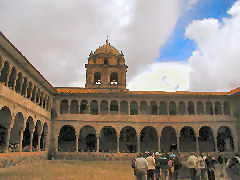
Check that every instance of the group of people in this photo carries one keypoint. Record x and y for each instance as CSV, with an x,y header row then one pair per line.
x,y
156,165
203,167
166,166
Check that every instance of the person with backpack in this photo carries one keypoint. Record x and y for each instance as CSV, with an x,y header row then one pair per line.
x,y
151,166
157,165
210,165
164,167
201,167
177,165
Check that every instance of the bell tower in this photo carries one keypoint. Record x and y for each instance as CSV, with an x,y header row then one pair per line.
x,y
106,68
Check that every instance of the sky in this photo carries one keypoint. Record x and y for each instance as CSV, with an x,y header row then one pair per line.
x,y
174,45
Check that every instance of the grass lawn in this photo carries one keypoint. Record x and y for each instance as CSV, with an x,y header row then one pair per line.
x,y
70,169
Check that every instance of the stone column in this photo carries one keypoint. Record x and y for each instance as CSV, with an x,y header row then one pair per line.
x,y
20,139
178,142
7,138
197,144
159,143
42,96
31,139
215,140
138,143
97,136
27,85
118,136
77,136
20,86
14,83
39,138
7,78
195,108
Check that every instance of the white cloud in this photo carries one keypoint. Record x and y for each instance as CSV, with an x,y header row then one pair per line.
x,y
216,61
168,76
57,36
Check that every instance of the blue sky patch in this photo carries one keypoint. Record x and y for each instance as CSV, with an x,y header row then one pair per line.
x,y
180,48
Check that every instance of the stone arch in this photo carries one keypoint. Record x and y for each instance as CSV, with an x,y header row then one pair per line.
x,y
108,139
114,107
153,108
94,107
104,107
206,140
128,140
29,89
18,126
12,78
168,139
41,98
34,91
209,108
225,139
187,140
191,108
163,110
5,123
84,107
43,139
4,72
74,107
114,78
172,108
124,108
27,133
143,108
97,78
148,139
218,108
181,108
18,86
37,135
24,86
64,107
200,109
38,96
133,108
226,108
67,139
87,139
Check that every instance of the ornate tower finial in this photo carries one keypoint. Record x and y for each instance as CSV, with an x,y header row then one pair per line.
x,y
107,40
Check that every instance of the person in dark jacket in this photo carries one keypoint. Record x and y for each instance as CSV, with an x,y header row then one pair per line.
x,y
177,166
164,167
210,164
158,165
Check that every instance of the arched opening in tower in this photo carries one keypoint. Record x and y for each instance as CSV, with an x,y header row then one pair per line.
x,y
108,139
97,78
67,139
128,140
87,139
148,139
114,78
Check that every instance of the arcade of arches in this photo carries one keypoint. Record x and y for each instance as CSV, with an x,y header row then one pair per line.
x,y
16,130
129,141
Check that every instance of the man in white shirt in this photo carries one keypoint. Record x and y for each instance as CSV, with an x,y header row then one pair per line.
x,y
141,166
192,163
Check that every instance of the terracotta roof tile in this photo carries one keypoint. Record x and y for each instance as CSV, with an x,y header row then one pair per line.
x,y
72,90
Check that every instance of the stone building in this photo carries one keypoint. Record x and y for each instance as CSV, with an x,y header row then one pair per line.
x,y
105,116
